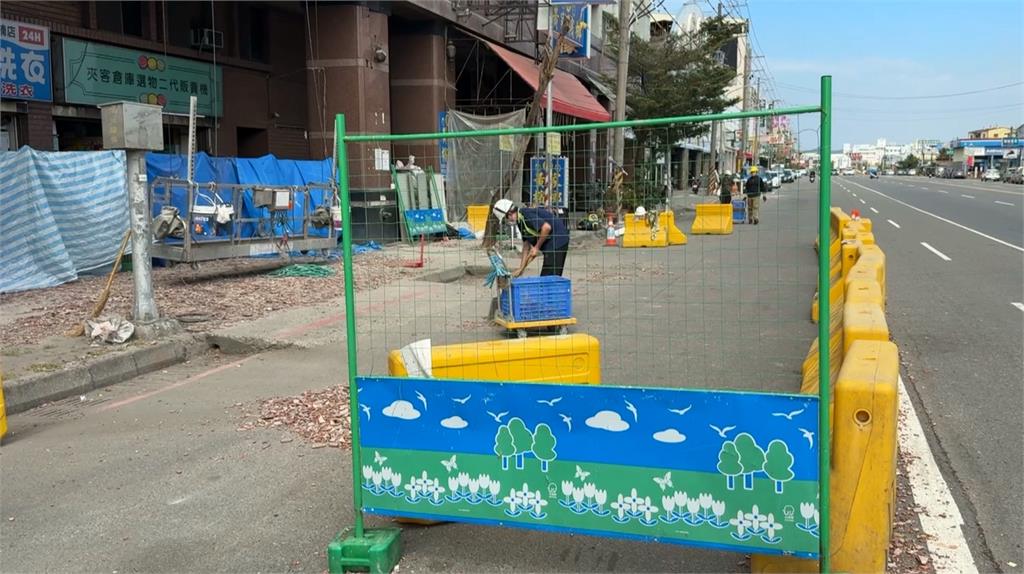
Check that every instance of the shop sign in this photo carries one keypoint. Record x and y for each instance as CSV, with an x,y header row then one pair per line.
x,y
25,61
98,74
575,44
559,182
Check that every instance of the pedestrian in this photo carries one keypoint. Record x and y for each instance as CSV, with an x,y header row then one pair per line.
x,y
543,234
725,188
754,189
714,181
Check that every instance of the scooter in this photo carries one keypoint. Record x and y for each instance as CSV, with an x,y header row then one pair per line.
x,y
811,176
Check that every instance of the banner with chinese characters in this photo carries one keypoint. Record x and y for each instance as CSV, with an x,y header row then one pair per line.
x,y
576,43
25,62
715,469
98,74
559,183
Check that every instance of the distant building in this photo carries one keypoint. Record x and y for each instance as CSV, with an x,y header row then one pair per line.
x,y
995,132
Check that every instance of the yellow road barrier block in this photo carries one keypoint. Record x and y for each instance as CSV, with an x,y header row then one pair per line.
x,y
712,219
572,358
850,249
477,216
865,291
866,237
871,268
639,233
863,464
667,219
874,256
863,322
3,410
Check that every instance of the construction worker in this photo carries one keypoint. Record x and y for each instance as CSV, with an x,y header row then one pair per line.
x,y
754,188
725,189
543,233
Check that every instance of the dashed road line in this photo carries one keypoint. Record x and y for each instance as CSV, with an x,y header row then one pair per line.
x,y
943,219
941,255
967,196
854,194
862,201
1018,305
940,518
1004,203
893,223
924,188
874,210
942,191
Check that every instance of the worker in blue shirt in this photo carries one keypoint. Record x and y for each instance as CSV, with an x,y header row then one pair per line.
x,y
543,233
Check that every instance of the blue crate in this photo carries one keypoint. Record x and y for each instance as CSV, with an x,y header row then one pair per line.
x,y
537,299
739,211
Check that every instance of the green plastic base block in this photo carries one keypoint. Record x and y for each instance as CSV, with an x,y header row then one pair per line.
x,y
377,552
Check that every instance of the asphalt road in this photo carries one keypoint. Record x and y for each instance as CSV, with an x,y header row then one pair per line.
x,y
955,273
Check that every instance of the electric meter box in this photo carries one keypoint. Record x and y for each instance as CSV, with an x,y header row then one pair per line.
x,y
132,126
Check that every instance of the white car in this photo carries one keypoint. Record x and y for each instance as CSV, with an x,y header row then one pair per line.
x,y
774,179
849,172
990,175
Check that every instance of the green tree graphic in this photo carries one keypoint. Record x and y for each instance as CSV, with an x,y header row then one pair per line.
x,y
729,464
778,464
503,446
522,440
751,458
544,445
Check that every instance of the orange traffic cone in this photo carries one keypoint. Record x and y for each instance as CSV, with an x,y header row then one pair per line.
x,y
609,239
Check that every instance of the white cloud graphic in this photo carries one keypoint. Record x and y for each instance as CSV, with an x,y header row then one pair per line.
x,y
401,410
607,420
669,436
455,422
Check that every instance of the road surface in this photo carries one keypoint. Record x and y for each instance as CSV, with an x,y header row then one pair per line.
x,y
955,277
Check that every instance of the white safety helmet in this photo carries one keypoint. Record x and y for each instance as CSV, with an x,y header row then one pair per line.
x,y
640,211
501,208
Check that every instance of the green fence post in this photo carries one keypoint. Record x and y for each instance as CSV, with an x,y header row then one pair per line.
x,y
377,550
824,316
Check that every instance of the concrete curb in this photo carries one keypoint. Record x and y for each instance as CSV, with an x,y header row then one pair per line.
x,y
28,392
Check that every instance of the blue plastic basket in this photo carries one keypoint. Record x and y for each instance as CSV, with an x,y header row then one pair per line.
x,y
537,299
739,210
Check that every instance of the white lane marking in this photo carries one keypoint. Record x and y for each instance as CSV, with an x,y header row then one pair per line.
x,y
984,187
1004,203
936,251
943,219
942,191
854,194
893,223
924,188
874,210
967,196
940,518
862,201
1018,305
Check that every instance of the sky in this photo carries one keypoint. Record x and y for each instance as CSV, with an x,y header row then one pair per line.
x,y
877,50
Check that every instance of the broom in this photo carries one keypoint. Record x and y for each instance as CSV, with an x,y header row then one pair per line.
x,y
79,329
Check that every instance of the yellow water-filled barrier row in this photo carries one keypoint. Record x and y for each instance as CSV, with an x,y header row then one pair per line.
x,y
712,219
638,231
572,358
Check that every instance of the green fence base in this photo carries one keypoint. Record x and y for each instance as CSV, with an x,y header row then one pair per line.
x,y
377,552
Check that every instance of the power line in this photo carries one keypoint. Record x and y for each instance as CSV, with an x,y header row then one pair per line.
x,y
928,97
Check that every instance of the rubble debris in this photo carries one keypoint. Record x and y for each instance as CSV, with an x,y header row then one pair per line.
x,y
319,417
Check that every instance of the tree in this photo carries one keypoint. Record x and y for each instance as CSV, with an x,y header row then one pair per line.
x,y
522,440
945,154
751,458
677,75
909,162
778,464
544,445
729,464
503,446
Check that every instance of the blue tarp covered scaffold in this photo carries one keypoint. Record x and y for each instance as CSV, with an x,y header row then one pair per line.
x,y
265,170
61,213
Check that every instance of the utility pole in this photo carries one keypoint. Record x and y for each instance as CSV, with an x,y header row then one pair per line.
x,y
621,76
755,156
713,147
746,104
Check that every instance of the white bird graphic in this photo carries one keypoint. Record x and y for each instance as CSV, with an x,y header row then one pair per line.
x,y
721,431
632,409
378,458
788,415
497,417
664,481
680,411
567,420
366,409
450,464
807,435
581,474
551,402
422,399
463,400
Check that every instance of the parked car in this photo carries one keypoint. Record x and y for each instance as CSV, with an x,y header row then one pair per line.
x,y
1014,175
990,175
774,179
788,176
849,171
890,172
911,172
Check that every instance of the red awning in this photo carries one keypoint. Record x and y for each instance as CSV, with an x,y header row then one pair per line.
x,y
571,97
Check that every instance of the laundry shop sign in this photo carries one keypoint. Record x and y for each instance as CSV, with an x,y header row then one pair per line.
x,y
98,74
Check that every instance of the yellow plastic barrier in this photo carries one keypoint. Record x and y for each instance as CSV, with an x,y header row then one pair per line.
x,y
667,220
850,249
712,219
477,216
3,410
864,291
863,464
639,233
866,237
572,358
863,322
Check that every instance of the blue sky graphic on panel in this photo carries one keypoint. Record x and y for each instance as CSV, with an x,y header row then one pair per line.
x,y
680,429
